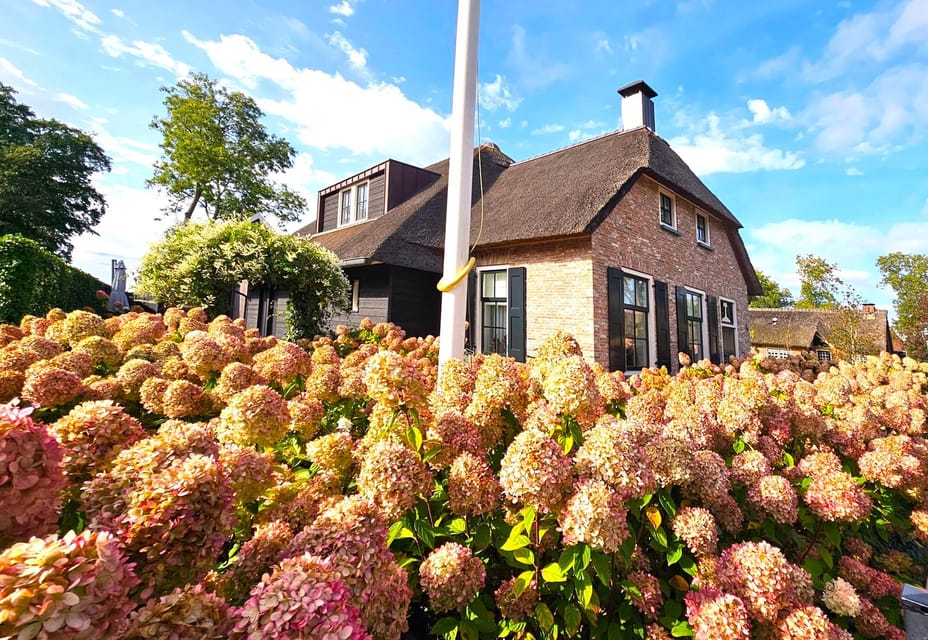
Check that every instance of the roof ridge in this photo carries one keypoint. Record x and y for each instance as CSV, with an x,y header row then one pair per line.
x,y
617,132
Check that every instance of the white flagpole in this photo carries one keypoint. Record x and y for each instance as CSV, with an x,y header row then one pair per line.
x,y
460,178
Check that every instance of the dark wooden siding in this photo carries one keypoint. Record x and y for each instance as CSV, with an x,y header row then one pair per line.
x,y
279,317
404,181
415,303
375,196
373,295
329,212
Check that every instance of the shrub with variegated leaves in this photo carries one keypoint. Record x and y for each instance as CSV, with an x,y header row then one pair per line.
x,y
73,587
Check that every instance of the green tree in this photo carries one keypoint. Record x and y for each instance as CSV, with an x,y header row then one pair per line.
x,y
907,274
820,287
201,263
774,296
217,155
45,177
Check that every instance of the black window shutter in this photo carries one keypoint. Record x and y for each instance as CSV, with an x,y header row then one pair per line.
x,y
682,341
712,310
662,322
517,313
616,320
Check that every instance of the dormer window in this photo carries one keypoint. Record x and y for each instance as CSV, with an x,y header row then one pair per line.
x,y
353,204
668,212
345,216
361,213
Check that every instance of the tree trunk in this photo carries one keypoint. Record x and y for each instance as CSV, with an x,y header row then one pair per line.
x,y
193,203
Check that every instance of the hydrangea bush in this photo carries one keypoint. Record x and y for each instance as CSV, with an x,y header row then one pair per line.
x,y
208,482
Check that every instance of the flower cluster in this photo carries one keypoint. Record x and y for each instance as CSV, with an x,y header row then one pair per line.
x,y
71,587
594,515
93,434
535,472
185,613
392,475
31,476
303,599
257,415
451,575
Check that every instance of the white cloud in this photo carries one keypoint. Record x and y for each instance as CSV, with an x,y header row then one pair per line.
x,y
496,94
357,58
854,171
73,101
574,135
505,124
548,128
376,119
74,11
343,8
119,13
853,247
892,110
877,37
147,54
125,232
306,180
707,148
535,69
603,45
13,76
763,114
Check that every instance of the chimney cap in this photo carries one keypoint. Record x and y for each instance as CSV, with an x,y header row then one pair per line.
x,y
639,86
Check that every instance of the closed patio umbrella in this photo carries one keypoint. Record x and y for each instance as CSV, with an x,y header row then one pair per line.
x,y
118,302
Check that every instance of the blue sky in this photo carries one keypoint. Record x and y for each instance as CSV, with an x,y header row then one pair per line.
x,y
808,120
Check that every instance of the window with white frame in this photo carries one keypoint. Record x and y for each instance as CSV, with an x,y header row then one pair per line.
x,y
355,295
345,216
361,213
824,355
494,311
702,229
353,204
728,328
694,325
777,353
668,210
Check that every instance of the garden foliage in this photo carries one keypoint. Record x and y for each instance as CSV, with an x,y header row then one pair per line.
x,y
34,280
186,478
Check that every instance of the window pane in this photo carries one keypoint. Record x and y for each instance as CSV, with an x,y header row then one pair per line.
x,y
489,279
728,343
666,210
628,290
362,202
728,312
641,354
641,294
641,325
501,284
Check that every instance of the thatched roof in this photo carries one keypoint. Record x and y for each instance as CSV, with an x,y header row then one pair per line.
x,y
564,193
807,328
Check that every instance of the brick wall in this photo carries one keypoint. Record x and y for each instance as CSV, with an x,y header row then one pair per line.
x,y
558,288
631,237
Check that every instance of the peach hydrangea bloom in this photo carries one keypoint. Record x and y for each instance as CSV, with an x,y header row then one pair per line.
x,y
93,434
840,596
472,487
697,528
715,615
394,477
775,496
535,472
257,415
758,573
594,515
451,576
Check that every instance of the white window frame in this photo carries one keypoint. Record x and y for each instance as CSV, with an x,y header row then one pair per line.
x,y
733,325
351,194
706,351
652,316
777,353
708,241
357,201
478,300
355,295
661,193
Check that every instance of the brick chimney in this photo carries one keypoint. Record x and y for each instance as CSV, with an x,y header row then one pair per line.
x,y
637,107
868,307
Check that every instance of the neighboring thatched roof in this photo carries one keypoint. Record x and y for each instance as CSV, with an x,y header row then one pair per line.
x,y
808,328
564,193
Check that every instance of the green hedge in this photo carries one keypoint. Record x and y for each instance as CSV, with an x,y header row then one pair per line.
x,y
33,280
